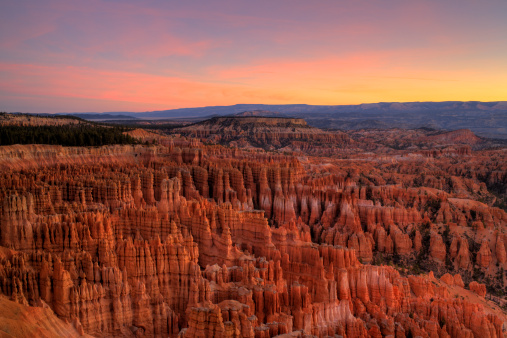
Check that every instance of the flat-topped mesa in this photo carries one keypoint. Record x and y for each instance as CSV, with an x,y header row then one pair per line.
x,y
257,121
255,128
289,134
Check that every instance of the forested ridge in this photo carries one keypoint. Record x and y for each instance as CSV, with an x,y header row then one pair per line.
x,y
69,135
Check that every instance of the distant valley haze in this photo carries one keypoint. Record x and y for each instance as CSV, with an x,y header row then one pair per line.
x,y
487,119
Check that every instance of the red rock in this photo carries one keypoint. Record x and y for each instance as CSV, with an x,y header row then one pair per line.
x,y
484,255
458,281
448,279
501,255
478,288
417,241
463,255
196,240
437,247
402,242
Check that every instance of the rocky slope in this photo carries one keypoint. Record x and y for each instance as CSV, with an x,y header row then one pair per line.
x,y
411,139
192,240
20,320
265,132
252,130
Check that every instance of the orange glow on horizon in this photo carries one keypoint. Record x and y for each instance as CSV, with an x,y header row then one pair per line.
x,y
321,82
129,56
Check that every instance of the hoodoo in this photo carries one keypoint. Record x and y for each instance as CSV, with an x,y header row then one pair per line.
x,y
185,238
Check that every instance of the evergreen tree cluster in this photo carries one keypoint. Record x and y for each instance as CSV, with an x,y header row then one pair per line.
x,y
69,135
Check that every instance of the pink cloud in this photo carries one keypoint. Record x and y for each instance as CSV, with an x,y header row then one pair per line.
x,y
86,83
356,78
170,54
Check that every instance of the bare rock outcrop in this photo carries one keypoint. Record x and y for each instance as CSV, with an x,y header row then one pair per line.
x,y
192,239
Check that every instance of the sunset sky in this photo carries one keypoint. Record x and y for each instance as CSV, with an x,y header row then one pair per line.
x,y
112,55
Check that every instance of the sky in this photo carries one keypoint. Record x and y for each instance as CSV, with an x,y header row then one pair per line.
x,y
126,55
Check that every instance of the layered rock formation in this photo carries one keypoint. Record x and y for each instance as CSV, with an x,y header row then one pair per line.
x,y
193,240
287,134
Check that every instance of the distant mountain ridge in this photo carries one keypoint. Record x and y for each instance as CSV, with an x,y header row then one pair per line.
x,y
262,113
319,109
103,116
487,119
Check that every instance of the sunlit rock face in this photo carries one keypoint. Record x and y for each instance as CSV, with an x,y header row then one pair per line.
x,y
190,239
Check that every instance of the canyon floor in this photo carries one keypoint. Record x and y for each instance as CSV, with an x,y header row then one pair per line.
x,y
255,226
